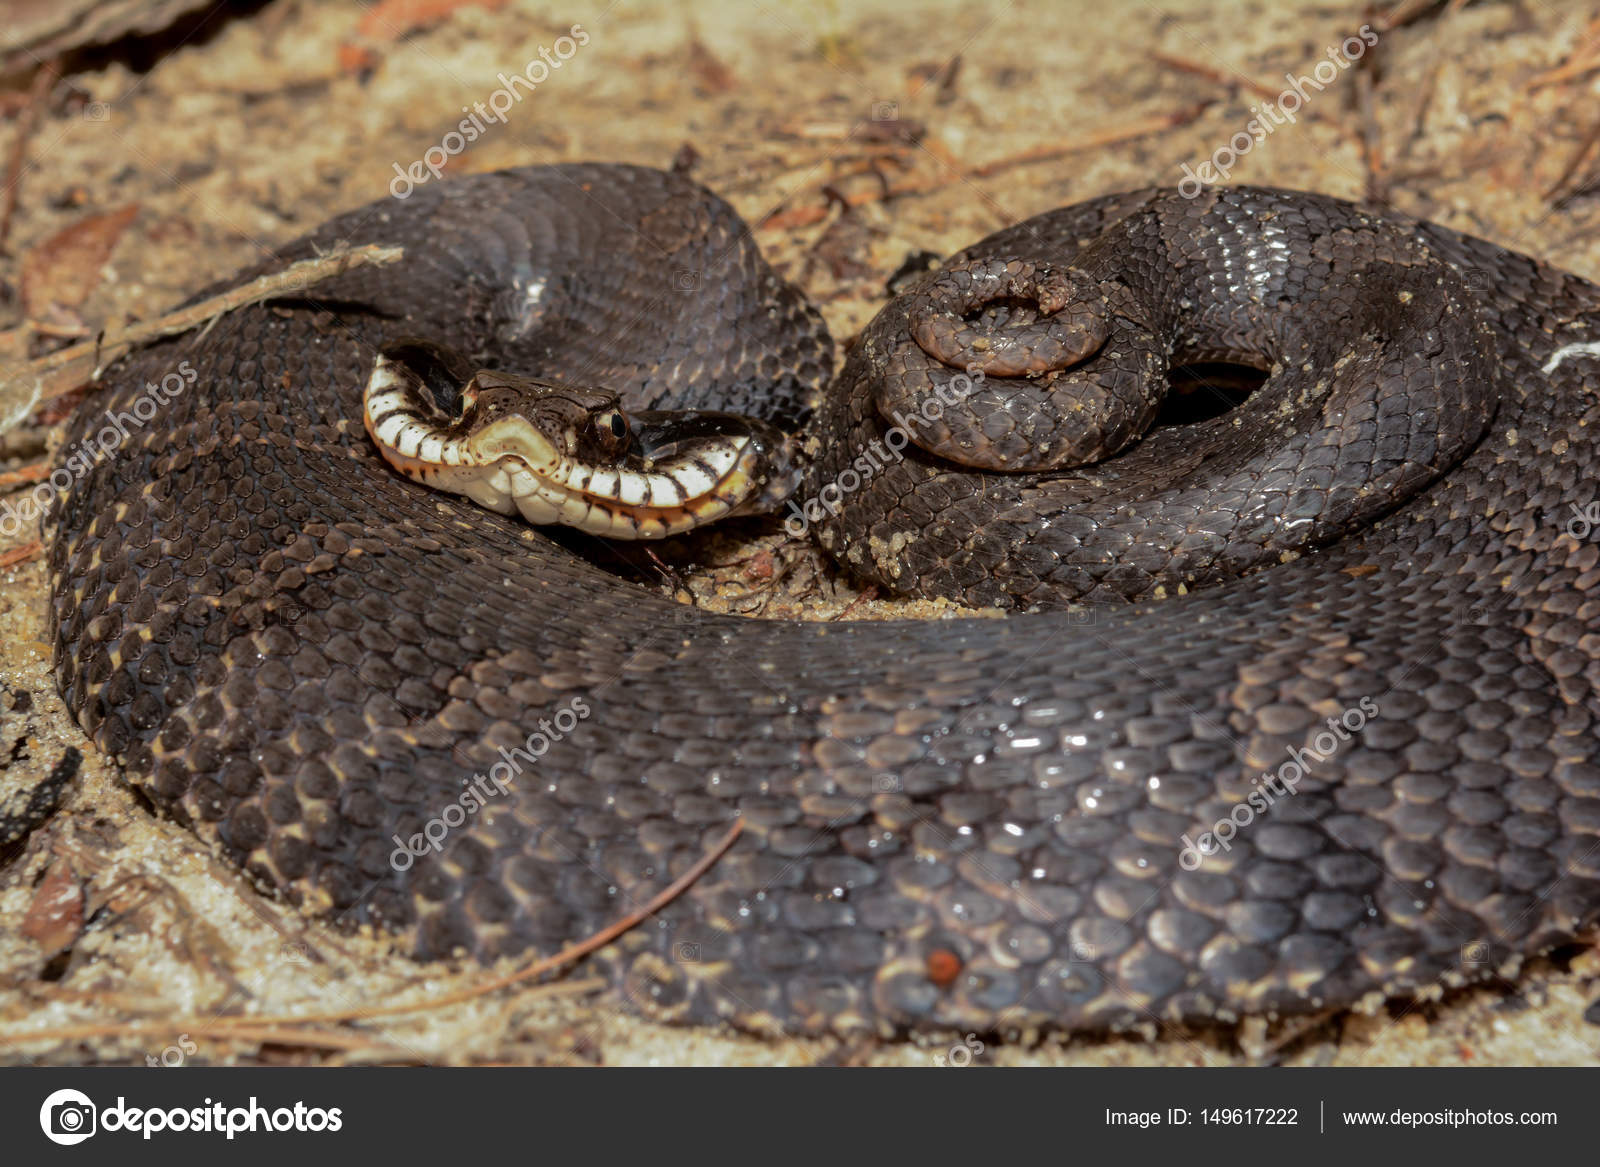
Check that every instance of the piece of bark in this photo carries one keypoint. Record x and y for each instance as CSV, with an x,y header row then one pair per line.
x,y
36,30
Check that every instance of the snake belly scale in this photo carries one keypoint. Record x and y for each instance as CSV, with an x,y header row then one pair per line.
x,y
973,823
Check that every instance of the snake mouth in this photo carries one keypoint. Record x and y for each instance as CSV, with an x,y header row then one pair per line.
x,y
561,454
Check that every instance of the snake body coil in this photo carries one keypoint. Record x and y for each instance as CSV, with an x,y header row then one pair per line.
x,y
398,709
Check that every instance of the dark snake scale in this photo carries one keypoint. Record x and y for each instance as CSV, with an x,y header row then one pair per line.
x,y
1008,823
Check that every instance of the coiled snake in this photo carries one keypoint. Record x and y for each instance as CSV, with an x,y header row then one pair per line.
x,y
397,708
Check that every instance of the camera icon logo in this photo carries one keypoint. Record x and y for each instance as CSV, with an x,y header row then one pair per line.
x,y
285,613
885,111
295,952
67,1117
1476,952
960,1056
96,111
685,279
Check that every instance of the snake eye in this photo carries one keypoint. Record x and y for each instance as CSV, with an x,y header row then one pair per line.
x,y
610,431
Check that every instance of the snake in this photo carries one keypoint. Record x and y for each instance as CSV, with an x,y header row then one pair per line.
x,y
1270,710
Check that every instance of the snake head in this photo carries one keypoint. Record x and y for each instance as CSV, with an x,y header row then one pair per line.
x,y
568,454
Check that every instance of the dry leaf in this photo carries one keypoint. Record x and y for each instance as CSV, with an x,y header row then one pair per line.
x,y
55,917
61,272
355,58
389,20
708,69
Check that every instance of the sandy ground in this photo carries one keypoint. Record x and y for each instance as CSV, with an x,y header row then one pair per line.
x,y
260,124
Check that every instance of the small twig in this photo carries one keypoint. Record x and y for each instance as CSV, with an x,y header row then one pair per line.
x,y
867,594
261,1034
310,1039
1240,81
784,218
291,1023
1371,136
1419,116
43,81
1585,148
1263,1045
49,328
1584,60
1214,75
20,554
1409,12
669,574
1092,141
566,956
23,475
60,372
1572,70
